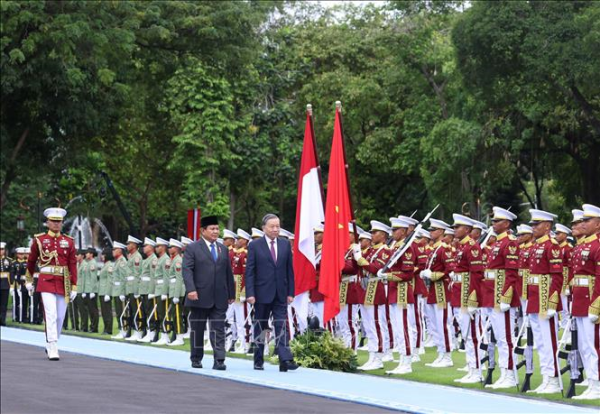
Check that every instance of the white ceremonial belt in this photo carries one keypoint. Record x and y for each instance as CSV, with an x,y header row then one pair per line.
x,y
55,270
130,278
533,280
352,278
172,280
23,278
145,279
581,280
160,281
490,274
457,278
117,283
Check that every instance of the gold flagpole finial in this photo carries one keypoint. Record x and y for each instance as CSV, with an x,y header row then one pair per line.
x,y
338,105
309,109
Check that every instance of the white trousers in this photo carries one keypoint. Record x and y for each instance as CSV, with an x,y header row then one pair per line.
x,y
347,322
318,309
415,319
239,330
230,318
300,305
587,335
375,324
438,319
469,330
401,327
545,338
503,324
54,314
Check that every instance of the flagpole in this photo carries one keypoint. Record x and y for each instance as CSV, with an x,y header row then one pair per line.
x,y
338,107
314,141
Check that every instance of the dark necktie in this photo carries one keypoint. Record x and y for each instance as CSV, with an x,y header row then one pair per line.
x,y
273,255
213,252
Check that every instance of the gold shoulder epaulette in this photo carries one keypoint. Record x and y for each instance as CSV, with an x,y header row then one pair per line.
x,y
554,241
511,237
68,237
39,234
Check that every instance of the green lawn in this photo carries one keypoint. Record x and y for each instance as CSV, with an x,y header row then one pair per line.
x,y
421,373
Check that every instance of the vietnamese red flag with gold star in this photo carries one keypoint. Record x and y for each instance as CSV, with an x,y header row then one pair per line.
x,y
337,215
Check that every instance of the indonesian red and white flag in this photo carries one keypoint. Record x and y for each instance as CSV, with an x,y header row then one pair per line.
x,y
309,213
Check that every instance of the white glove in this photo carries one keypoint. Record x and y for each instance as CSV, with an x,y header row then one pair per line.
x,y
504,307
242,299
163,297
593,318
550,313
29,287
176,300
12,291
356,253
122,297
151,296
92,295
426,274
73,295
472,310
451,275
106,298
136,296
567,292
84,295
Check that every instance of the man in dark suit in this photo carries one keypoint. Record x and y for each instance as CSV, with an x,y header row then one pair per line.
x,y
210,288
270,288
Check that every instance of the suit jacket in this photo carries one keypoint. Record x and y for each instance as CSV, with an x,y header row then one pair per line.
x,y
265,280
212,280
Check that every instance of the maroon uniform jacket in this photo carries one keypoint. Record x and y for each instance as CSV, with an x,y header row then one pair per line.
x,y
502,273
545,276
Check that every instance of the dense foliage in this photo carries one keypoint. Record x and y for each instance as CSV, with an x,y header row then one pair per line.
x,y
187,104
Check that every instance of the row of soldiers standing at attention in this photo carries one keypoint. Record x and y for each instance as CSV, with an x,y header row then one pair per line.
x,y
461,286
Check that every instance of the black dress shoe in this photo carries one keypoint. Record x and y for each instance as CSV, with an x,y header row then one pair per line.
x,y
285,366
259,367
196,364
219,366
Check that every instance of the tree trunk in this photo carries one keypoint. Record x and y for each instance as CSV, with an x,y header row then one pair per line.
x,y
11,172
232,206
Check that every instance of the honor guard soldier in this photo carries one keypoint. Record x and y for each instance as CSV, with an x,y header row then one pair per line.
x,y
586,299
256,233
186,241
162,290
562,232
54,253
347,319
22,294
134,313
104,290
229,239
147,287
176,291
6,282
400,296
465,296
544,285
439,266
525,240
90,301
240,308
374,299
499,291
421,293
119,277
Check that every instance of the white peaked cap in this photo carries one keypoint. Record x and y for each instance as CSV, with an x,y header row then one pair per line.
x,y
423,233
561,228
186,240
319,229
161,242
131,239
285,233
479,225
503,214
175,243
243,234
149,242
21,250
590,210
257,233
460,220
379,226
410,220
55,213
398,223
577,215
2,245
541,215
220,240
524,229
228,234
439,224
449,232
364,235
117,245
